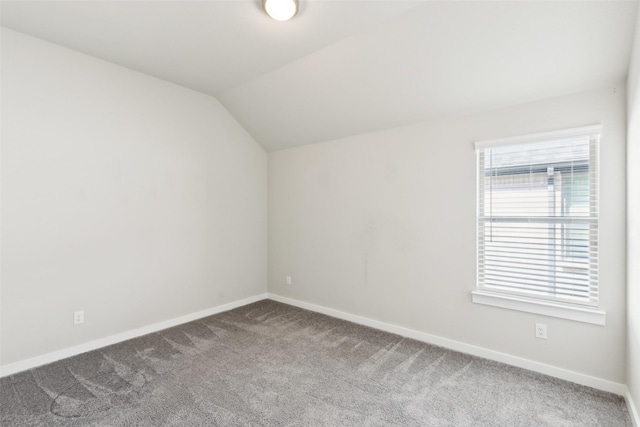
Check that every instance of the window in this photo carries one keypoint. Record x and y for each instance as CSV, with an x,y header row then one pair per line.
x,y
538,223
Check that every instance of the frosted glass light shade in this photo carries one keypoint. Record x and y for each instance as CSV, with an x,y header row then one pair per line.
x,y
280,10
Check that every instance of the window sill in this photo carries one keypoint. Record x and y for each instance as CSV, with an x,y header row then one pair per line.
x,y
578,314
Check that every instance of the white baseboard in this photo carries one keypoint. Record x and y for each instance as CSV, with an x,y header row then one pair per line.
x,y
575,377
633,409
54,356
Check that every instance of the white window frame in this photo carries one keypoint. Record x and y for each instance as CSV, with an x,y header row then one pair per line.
x,y
526,303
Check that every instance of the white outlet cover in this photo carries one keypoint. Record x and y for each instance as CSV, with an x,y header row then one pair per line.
x,y
541,330
78,317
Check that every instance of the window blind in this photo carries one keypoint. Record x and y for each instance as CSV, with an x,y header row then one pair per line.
x,y
538,216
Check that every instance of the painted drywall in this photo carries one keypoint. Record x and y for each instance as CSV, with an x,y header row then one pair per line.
x,y
633,223
125,196
382,225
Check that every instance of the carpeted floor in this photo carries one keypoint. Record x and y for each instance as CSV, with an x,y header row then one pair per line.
x,y
270,364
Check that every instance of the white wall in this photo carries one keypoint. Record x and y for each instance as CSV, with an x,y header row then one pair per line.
x,y
633,223
382,225
125,196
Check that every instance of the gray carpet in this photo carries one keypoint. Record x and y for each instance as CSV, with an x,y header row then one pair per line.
x,y
270,364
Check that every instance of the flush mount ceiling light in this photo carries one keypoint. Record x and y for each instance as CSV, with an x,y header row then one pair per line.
x,y
280,10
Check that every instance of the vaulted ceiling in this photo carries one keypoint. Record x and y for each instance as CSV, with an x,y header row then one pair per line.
x,y
346,67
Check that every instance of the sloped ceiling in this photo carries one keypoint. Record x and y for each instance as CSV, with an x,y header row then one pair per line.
x,y
347,67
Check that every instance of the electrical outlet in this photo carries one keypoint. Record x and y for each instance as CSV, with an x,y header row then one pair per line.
x,y
541,331
289,280
78,317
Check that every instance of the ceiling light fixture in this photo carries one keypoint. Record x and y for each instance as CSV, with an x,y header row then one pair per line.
x,y
280,10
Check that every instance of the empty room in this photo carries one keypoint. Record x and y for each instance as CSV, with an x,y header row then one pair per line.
x,y
320,213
